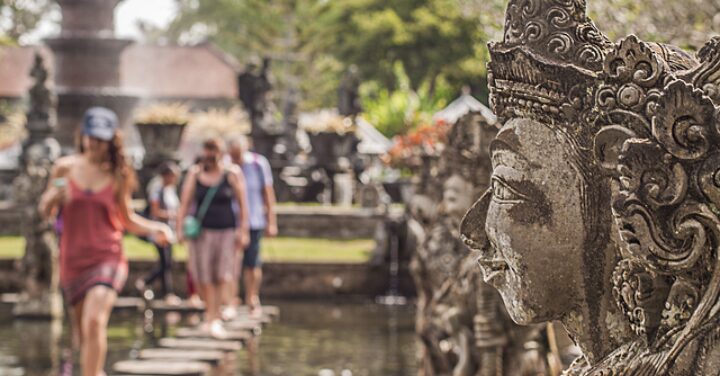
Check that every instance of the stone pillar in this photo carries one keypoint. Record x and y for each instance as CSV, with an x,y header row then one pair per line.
x,y
40,296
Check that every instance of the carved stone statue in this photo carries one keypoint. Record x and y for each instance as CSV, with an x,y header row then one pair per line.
x,y
40,296
40,117
603,210
255,91
349,93
461,322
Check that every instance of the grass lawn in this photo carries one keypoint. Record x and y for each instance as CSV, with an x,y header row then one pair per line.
x,y
309,250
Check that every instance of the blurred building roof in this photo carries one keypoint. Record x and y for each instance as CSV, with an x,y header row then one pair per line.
x,y
176,72
462,106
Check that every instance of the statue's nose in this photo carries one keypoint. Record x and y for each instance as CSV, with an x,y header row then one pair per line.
x,y
472,227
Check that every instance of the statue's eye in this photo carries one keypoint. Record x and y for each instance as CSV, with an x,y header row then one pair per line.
x,y
503,193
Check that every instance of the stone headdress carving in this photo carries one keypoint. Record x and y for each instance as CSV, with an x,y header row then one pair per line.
x,y
550,55
648,116
657,115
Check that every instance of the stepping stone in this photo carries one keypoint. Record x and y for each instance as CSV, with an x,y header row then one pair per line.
x,y
210,356
18,371
233,335
200,344
162,368
184,307
128,303
272,311
251,326
9,298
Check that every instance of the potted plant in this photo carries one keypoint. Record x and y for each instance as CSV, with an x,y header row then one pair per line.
x,y
161,126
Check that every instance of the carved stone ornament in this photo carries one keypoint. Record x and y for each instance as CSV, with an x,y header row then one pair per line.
x,y
604,208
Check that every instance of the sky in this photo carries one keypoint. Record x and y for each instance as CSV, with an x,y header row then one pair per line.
x,y
129,12
127,15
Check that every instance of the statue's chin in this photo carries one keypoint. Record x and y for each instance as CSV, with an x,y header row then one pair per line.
x,y
521,313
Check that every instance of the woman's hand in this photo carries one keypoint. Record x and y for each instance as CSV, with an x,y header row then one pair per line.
x,y
271,230
242,239
163,236
55,195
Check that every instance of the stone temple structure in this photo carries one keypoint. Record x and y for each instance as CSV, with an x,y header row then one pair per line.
x,y
461,321
87,65
603,211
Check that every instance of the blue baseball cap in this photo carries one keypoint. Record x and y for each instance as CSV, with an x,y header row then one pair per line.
x,y
100,123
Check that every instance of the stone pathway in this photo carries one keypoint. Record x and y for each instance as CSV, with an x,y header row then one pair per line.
x,y
193,352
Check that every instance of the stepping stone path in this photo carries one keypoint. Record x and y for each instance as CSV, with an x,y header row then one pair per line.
x,y
193,352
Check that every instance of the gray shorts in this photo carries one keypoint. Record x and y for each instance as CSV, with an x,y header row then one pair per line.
x,y
212,256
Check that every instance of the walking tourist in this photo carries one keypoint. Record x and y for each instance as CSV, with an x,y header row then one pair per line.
x,y
262,218
216,232
163,204
92,188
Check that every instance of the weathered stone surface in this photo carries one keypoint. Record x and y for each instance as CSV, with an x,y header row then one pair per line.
x,y
40,293
603,212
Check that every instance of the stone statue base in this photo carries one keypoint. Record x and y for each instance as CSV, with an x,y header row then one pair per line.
x,y
46,306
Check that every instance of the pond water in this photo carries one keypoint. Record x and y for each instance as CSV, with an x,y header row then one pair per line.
x,y
362,338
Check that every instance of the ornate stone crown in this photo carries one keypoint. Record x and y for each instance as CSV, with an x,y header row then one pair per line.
x,y
550,55
658,106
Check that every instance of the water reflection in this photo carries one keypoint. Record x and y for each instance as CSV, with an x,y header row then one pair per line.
x,y
349,339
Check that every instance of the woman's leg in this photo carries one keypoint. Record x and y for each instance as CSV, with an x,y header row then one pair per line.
x,y
97,307
76,325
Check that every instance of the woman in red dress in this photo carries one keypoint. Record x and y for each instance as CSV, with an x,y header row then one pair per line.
x,y
93,189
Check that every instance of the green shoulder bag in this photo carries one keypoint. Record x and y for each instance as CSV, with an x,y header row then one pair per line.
x,y
192,224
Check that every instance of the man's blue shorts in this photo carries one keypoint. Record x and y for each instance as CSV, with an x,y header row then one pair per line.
x,y
251,258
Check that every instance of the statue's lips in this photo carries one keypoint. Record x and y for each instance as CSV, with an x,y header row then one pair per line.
x,y
493,269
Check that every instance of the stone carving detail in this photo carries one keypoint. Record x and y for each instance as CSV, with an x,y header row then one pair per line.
x,y
40,296
641,136
463,327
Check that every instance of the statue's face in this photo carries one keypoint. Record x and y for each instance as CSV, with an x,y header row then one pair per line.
x,y
457,195
533,223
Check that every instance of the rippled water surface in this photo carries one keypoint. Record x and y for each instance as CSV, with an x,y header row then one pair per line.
x,y
363,338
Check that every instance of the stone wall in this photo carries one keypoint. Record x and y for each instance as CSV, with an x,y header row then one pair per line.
x,y
281,280
10,220
328,222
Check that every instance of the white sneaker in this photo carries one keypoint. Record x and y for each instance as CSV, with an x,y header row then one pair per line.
x,y
217,331
229,313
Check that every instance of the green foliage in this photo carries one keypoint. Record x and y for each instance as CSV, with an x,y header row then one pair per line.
x,y
312,42
21,17
402,108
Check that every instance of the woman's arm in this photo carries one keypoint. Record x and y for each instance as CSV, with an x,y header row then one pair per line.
x,y
186,195
54,195
270,216
237,181
138,225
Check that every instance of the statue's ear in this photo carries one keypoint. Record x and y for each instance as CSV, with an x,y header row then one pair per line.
x,y
608,145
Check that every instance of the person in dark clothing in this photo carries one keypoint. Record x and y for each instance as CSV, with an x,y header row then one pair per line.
x,y
163,204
